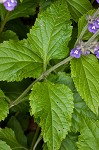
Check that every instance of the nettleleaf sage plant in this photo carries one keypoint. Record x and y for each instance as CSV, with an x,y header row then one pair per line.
x,y
49,77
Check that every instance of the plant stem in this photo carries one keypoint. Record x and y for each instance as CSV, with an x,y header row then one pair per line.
x,y
96,13
35,137
36,143
19,99
81,35
92,38
4,21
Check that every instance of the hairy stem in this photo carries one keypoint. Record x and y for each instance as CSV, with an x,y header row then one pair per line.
x,y
35,138
92,38
4,22
81,35
19,99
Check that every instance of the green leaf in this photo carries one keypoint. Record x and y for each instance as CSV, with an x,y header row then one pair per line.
x,y
69,143
78,8
14,124
85,73
5,36
89,138
8,136
51,33
18,61
53,105
79,109
4,108
4,146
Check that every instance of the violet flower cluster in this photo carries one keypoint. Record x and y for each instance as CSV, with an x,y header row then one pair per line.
x,y
9,4
93,47
82,49
94,25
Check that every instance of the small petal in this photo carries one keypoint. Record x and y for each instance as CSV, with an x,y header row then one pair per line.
x,y
97,1
75,53
10,4
86,52
92,28
96,48
96,23
97,53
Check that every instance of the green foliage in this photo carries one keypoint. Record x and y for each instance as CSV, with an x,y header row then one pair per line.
x,y
4,109
51,33
14,124
62,78
4,146
43,96
79,109
8,136
69,143
8,35
85,73
18,61
78,8
43,43
89,138
25,8
53,104
82,23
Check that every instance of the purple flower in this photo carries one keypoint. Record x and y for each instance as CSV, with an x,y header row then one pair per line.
x,y
86,52
76,52
92,28
10,4
96,23
97,1
96,51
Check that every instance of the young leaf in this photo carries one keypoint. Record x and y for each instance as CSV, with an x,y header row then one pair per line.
x,y
89,138
69,143
8,136
51,33
18,61
4,108
53,104
4,146
85,73
78,8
